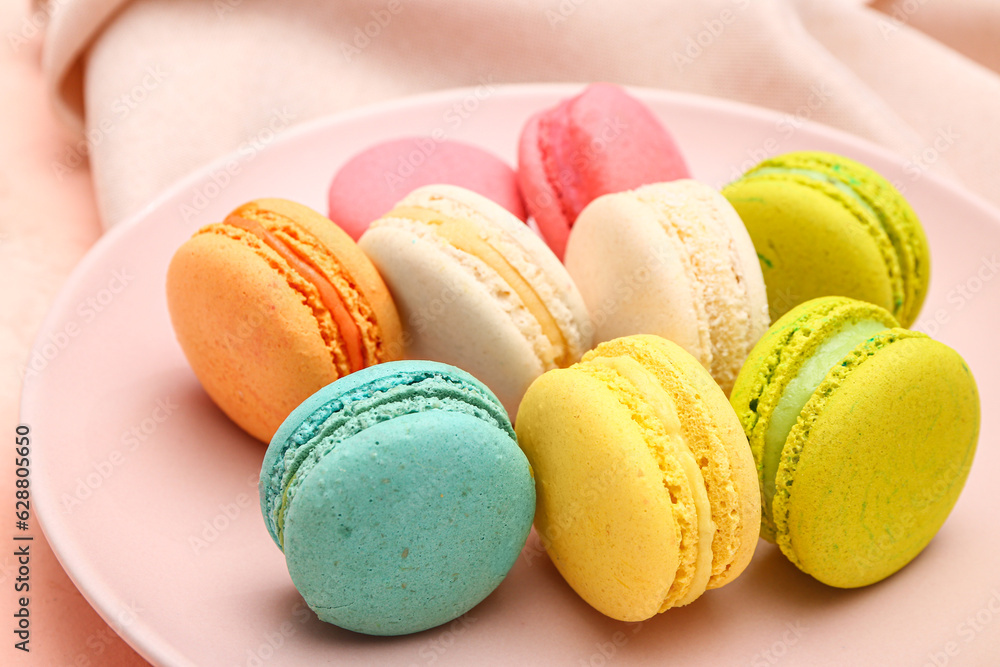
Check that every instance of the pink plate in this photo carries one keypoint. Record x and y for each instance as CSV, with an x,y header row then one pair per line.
x,y
148,493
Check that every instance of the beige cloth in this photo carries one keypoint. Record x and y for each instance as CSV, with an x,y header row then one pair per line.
x,y
164,86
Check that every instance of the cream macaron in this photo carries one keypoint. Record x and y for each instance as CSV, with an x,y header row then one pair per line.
x,y
671,259
477,289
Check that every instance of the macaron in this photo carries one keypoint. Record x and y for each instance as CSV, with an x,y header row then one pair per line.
x,y
477,289
825,225
369,184
602,140
647,493
273,303
671,259
399,497
863,434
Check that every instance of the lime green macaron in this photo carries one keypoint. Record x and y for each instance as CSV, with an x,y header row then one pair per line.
x,y
824,225
863,434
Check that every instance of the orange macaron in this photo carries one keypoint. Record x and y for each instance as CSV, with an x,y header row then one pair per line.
x,y
274,303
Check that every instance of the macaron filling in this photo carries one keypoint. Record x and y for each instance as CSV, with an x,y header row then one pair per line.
x,y
465,236
381,400
800,389
688,585
329,296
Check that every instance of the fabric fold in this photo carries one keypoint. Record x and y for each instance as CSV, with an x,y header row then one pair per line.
x,y
162,87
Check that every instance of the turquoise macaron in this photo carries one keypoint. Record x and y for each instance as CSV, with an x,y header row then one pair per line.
x,y
399,497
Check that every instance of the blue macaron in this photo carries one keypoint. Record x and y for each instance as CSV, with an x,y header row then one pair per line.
x,y
399,496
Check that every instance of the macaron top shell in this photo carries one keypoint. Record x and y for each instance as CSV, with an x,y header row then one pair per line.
x,y
409,524
369,184
600,141
900,477
883,201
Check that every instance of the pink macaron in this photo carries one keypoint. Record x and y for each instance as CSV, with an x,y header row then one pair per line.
x,y
599,142
371,182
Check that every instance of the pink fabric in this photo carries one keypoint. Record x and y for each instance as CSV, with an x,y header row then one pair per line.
x,y
48,220
163,86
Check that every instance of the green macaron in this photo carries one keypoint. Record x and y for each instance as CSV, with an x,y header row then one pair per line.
x,y
824,225
863,434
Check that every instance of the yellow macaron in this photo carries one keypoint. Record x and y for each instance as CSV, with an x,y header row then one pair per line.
x,y
646,487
